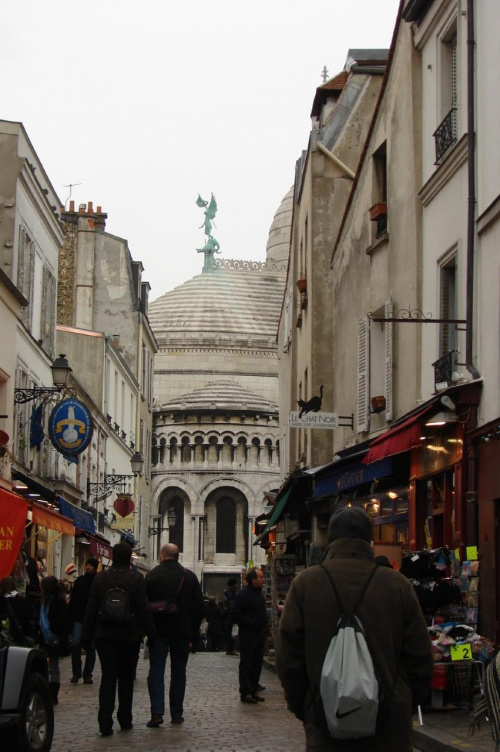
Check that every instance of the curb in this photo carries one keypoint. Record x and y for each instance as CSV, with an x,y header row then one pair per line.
x,y
438,740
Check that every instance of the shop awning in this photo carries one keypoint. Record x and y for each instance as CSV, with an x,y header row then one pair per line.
x,y
51,520
13,511
80,517
275,514
345,476
399,439
101,549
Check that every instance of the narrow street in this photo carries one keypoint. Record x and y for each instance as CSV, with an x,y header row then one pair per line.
x,y
215,719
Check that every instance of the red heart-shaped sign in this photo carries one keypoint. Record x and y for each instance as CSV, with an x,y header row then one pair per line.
x,y
124,506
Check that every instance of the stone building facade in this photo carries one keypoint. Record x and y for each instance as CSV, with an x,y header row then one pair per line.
x,y
215,442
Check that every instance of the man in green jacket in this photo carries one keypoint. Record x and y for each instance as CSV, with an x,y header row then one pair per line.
x,y
394,626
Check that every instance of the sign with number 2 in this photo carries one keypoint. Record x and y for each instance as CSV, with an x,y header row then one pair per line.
x,y
461,652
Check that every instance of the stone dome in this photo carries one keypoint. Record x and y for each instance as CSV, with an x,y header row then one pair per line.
x,y
221,395
278,244
237,303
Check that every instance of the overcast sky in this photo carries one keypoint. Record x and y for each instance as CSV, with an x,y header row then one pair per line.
x,y
146,104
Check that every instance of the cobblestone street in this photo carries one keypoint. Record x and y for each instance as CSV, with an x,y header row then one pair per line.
x,y
215,719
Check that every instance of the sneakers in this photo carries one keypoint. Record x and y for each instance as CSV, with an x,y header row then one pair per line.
x,y
156,720
74,679
248,698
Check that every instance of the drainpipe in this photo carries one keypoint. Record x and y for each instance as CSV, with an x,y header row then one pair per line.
x,y
471,209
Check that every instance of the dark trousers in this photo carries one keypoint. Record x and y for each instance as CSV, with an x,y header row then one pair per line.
x,y
251,658
118,666
179,648
76,653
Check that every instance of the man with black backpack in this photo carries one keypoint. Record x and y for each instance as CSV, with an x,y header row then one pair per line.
x,y
176,602
117,618
346,593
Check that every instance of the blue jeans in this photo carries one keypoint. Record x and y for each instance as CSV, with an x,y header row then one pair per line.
x,y
179,654
76,653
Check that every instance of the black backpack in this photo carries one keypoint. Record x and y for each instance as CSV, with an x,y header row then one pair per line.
x,y
116,605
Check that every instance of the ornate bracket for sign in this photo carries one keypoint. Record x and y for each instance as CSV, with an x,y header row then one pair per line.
x,y
21,396
349,418
102,490
414,316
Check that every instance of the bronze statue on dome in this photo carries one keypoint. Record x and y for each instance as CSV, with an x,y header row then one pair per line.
x,y
211,246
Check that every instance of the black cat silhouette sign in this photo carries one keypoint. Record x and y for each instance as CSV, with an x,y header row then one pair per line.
x,y
310,414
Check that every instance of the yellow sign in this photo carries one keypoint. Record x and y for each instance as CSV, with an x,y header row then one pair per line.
x,y
471,553
461,652
123,523
457,554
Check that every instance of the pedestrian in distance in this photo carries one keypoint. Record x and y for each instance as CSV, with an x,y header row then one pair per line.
x,y
117,618
394,627
15,611
250,614
176,601
230,594
78,600
54,630
215,621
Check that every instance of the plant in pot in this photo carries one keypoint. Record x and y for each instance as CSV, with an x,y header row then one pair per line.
x,y
378,403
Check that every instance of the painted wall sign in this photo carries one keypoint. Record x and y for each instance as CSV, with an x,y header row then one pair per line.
x,y
70,427
313,420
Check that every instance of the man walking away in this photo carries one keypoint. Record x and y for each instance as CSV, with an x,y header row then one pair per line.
x,y
177,605
79,597
117,617
394,627
250,614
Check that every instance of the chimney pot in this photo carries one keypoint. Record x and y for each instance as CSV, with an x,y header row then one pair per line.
x,y
91,207
72,206
99,209
82,208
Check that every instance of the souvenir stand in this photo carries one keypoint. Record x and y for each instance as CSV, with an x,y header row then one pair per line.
x,y
283,572
448,592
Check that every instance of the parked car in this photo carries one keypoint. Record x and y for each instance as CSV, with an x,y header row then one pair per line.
x,y
26,711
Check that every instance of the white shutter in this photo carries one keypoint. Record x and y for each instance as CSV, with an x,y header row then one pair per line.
x,y
363,423
388,333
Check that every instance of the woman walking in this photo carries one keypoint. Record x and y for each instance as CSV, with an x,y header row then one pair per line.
x,y
54,629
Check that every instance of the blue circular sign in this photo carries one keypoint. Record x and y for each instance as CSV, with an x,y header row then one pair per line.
x,y
70,427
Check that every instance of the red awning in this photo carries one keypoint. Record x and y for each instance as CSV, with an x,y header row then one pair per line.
x,y
399,439
51,520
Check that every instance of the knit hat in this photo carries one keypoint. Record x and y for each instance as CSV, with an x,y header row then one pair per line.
x,y
350,522
71,570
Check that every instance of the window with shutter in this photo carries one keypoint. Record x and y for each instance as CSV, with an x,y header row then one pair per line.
x,y
388,334
448,307
363,422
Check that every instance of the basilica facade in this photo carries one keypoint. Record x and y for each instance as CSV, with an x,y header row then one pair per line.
x,y
216,425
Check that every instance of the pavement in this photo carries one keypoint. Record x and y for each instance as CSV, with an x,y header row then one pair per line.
x,y
216,720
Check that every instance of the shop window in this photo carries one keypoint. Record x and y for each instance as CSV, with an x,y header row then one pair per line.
x,y
388,511
225,539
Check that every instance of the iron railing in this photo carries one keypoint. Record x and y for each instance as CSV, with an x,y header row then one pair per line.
x,y
446,134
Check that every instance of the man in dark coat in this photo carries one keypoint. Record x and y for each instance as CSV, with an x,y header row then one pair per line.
x,y
171,583
250,614
117,643
79,597
394,626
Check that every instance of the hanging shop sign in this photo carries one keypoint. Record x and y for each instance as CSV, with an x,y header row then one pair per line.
x,y
124,505
70,427
313,420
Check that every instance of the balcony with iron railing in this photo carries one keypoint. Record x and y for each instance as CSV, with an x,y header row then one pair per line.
x,y
446,134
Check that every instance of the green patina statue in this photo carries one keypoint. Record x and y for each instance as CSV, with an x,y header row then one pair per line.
x,y
211,246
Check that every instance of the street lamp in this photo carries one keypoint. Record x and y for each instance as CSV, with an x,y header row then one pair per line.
x,y
111,481
60,375
171,519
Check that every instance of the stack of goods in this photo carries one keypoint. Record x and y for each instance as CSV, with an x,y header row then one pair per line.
x,y
445,637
